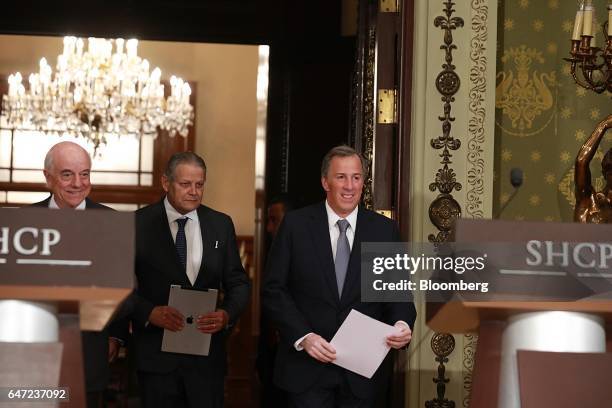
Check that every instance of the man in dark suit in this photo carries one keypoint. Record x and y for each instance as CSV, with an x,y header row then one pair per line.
x,y
181,242
271,396
313,281
66,169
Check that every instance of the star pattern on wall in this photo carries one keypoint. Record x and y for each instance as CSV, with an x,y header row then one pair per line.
x,y
506,155
580,92
508,24
595,113
567,26
565,112
549,178
537,25
579,135
535,200
565,156
523,4
535,156
551,48
553,4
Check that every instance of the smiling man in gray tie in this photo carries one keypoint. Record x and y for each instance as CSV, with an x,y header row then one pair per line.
x,y
313,281
181,242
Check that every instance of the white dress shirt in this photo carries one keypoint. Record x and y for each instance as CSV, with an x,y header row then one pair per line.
x,y
193,236
82,205
53,204
334,230
334,233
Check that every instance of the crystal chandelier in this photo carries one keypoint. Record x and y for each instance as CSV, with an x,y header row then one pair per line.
x,y
96,91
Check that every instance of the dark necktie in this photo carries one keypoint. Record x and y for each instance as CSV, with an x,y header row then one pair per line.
x,y
181,241
343,253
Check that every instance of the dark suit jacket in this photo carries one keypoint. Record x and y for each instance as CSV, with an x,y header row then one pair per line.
x,y
301,295
158,267
95,344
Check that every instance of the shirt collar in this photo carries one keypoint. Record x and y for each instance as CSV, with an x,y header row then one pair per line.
x,y
332,217
174,215
53,204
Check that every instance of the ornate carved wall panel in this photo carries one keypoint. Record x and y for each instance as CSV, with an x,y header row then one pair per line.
x,y
459,155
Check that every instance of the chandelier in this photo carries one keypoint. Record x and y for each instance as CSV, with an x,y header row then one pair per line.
x,y
591,66
96,91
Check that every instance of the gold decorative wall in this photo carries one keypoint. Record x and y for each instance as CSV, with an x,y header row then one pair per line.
x,y
542,117
473,110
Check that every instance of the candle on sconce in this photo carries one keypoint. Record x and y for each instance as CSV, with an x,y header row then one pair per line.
x,y
588,20
610,20
578,23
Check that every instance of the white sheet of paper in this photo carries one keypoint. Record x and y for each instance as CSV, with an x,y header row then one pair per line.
x,y
361,344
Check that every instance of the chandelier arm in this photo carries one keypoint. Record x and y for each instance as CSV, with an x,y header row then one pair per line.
x,y
575,76
586,74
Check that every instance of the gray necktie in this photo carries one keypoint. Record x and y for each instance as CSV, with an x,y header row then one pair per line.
x,y
343,253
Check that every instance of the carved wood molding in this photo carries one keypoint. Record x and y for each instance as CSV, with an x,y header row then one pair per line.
x,y
362,104
476,164
477,108
445,209
470,341
442,345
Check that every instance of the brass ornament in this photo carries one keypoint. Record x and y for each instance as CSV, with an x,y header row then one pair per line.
x,y
442,345
448,82
443,211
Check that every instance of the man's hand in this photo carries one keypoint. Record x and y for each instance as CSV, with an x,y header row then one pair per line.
x,y
113,349
318,348
167,317
213,322
401,338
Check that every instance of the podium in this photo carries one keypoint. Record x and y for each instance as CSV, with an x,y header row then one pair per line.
x,y
517,337
60,272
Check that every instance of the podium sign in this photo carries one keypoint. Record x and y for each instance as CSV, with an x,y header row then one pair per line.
x,y
582,252
68,256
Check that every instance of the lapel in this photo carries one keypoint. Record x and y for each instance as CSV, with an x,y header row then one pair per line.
x,y
320,237
42,204
167,255
354,266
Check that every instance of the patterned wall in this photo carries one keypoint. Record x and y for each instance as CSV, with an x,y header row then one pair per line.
x,y
542,116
